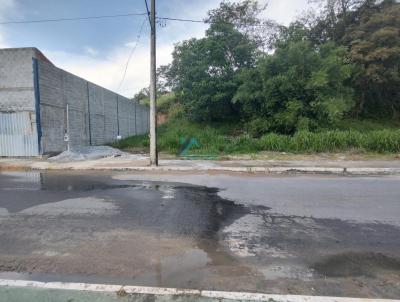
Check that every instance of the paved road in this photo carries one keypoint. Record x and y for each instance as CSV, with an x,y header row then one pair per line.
x,y
337,236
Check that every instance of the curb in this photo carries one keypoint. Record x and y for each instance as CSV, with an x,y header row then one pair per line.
x,y
161,291
242,169
268,170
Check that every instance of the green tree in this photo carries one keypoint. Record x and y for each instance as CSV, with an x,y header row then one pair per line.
x,y
334,19
203,71
142,96
245,17
297,87
374,43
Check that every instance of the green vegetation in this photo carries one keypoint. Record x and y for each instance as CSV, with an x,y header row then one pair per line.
x,y
224,139
322,84
343,62
299,88
165,101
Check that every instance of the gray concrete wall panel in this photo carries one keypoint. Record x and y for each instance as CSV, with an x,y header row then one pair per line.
x,y
77,128
97,129
53,123
110,110
139,119
123,116
132,120
51,85
96,99
16,80
75,91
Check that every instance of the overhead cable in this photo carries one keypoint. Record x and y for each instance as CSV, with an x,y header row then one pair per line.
x,y
71,19
131,54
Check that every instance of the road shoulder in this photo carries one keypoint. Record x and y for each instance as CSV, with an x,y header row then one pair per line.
x,y
132,163
22,290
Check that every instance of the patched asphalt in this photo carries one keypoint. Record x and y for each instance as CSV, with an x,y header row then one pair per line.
x,y
314,235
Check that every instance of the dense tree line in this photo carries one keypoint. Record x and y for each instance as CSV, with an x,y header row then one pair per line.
x,y
343,61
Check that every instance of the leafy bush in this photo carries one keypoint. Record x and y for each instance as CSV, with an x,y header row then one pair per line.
x,y
299,87
166,101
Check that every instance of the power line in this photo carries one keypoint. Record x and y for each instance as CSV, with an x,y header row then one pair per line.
x,y
181,20
99,17
72,19
148,11
131,53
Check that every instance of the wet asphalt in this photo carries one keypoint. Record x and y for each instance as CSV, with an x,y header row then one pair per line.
x,y
313,235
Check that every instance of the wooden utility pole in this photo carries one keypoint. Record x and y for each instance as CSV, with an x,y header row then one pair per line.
x,y
153,88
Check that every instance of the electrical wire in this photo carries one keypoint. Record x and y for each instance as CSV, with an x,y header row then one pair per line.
x,y
148,11
71,19
181,20
131,54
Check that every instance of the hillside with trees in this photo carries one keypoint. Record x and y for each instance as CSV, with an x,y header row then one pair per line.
x,y
332,73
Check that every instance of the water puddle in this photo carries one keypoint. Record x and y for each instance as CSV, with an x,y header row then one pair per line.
x,y
92,228
356,264
56,182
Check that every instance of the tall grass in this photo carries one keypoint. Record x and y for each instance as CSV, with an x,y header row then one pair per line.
x,y
380,141
228,139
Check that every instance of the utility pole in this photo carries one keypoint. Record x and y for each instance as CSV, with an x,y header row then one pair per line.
x,y
153,88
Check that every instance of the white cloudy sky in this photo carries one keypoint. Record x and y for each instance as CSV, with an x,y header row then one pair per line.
x,y
98,49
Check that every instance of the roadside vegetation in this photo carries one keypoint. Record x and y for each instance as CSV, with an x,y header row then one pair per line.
x,y
328,82
227,139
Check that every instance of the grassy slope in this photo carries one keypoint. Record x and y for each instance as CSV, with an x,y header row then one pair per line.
x,y
228,139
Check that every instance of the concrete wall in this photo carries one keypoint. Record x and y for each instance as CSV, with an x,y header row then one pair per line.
x,y
40,104
18,128
16,80
95,115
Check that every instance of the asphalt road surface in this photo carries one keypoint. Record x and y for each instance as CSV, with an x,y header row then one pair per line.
x,y
312,235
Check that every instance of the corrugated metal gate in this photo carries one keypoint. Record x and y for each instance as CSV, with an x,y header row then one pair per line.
x,y
18,134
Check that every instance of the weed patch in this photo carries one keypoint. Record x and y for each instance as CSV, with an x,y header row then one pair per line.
x,y
226,139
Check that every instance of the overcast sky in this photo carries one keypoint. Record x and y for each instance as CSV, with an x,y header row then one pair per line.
x,y
97,50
